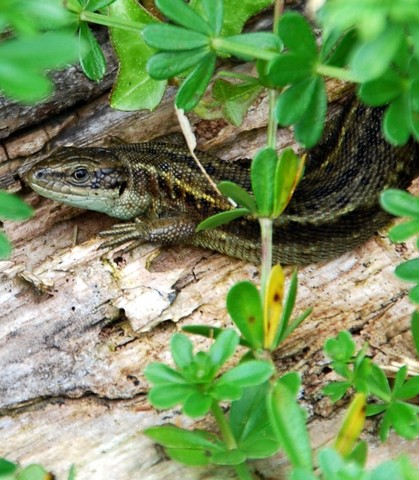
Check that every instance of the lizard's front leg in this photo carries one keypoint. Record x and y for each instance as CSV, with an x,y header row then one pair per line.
x,y
165,231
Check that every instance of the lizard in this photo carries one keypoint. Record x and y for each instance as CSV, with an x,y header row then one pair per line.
x,y
160,193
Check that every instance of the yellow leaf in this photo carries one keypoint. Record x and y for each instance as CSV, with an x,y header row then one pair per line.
x,y
352,425
288,173
273,305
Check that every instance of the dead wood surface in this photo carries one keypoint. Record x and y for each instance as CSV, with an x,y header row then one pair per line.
x,y
78,326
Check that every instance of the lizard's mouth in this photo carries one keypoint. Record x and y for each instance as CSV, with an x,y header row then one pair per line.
x,y
56,185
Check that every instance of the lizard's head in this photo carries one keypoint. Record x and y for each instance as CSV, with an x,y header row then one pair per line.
x,y
91,178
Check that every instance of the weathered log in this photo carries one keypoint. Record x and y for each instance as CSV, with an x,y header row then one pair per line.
x,y
78,326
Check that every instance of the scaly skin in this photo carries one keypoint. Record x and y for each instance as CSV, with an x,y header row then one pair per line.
x,y
164,194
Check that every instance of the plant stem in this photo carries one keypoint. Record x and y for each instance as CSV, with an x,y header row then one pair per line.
x,y
272,125
108,21
242,469
336,72
239,76
223,425
266,238
223,45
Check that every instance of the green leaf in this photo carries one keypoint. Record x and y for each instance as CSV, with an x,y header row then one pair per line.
x,y
33,472
336,48
399,380
400,203
160,374
94,5
402,232
133,89
168,396
6,467
222,218
226,391
359,454
235,98
13,208
223,348
194,86
5,247
371,59
296,323
260,40
289,169
72,473
214,13
92,59
408,271
382,90
331,464
293,102
414,294
289,68
336,390
409,390
191,457
302,474
173,437
396,125
181,13
414,327
247,374
414,94
24,60
341,348
245,308
197,405
229,457
297,35
250,423
28,18
169,64
288,421
262,174
182,350
378,383
404,420
238,194
171,38
237,12
386,471
309,128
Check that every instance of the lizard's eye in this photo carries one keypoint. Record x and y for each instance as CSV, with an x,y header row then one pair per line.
x,y
80,174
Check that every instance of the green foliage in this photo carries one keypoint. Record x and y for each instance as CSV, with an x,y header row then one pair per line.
x,y
404,204
11,208
235,98
31,50
304,102
288,421
193,383
12,471
133,89
274,179
367,377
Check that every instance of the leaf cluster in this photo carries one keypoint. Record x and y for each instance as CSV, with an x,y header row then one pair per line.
x,y
274,178
12,471
367,377
193,384
34,46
